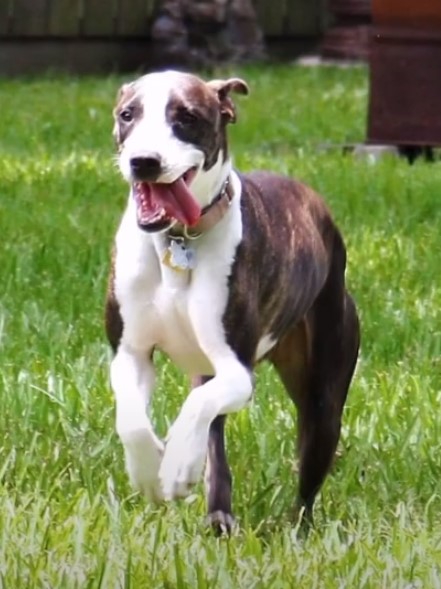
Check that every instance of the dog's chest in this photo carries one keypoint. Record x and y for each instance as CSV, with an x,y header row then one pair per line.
x,y
158,304
174,330
155,312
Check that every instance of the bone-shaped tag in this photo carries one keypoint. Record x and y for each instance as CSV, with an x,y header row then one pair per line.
x,y
179,256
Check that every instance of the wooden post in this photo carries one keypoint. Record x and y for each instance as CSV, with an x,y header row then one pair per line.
x,y
405,73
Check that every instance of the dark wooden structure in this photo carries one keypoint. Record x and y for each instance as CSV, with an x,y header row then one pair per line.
x,y
108,35
405,73
348,36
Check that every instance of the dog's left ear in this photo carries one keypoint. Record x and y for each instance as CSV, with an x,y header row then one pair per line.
x,y
223,89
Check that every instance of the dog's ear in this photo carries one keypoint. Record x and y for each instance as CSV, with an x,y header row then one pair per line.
x,y
223,89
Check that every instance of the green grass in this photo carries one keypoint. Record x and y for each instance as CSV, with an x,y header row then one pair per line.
x,y
68,517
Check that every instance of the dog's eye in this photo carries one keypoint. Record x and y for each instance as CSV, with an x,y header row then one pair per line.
x,y
188,118
126,115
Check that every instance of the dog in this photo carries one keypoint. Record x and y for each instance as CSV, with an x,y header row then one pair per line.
x,y
219,270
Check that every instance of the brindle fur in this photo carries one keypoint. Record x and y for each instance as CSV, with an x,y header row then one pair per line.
x,y
299,297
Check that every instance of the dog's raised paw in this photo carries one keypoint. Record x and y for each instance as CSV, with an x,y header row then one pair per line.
x,y
144,480
150,489
183,461
143,455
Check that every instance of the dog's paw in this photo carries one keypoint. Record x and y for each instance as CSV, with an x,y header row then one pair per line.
x,y
183,460
143,477
222,523
143,455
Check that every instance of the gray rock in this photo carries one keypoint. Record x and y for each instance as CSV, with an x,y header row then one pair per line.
x,y
206,32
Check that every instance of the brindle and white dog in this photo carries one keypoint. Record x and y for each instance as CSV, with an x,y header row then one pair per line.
x,y
219,270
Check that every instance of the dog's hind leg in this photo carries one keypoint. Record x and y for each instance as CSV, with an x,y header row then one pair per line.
x,y
291,358
316,362
217,474
218,480
335,343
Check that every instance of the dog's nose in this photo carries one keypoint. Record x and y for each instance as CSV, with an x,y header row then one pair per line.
x,y
146,168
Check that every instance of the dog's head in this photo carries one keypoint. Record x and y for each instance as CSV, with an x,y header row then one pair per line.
x,y
170,128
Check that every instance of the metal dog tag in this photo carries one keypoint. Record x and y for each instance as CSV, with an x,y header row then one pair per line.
x,y
179,256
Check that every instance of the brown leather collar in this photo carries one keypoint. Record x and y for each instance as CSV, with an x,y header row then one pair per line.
x,y
210,216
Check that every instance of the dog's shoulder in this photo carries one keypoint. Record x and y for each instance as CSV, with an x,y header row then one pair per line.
x,y
282,261
280,203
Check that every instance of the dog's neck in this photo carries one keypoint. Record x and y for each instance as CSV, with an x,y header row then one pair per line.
x,y
211,214
213,190
208,184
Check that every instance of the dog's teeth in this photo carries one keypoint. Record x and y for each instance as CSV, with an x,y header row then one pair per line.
x,y
159,214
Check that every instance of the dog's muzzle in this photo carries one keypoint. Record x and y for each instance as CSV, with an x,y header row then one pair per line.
x,y
146,168
160,204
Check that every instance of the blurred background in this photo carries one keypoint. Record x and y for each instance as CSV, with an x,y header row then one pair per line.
x,y
91,36
399,39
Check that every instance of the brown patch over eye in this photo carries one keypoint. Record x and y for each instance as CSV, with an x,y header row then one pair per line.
x,y
194,118
126,114
188,125
186,117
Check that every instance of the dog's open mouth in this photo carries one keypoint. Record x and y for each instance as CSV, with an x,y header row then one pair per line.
x,y
159,204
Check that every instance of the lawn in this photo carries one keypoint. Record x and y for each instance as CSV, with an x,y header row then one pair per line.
x,y
68,518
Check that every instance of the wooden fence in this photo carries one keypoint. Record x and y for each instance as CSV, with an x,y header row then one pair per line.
x,y
75,18
33,32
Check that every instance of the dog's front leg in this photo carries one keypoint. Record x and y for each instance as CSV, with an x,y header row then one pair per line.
x,y
133,378
187,439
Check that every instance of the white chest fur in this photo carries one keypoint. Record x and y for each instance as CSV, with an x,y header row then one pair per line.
x,y
166,309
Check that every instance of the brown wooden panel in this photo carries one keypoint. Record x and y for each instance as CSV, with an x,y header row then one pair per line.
x,y
64,17
271,15
405,86
324,14
4,16
99,17
30,18
303,17
90,56
410,13
150,7
78,56
134,17
351,8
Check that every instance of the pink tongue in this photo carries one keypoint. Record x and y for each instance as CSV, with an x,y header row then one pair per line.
x,y
177,201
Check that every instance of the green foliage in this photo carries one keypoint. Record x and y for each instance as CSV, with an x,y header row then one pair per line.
x,y
68,518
